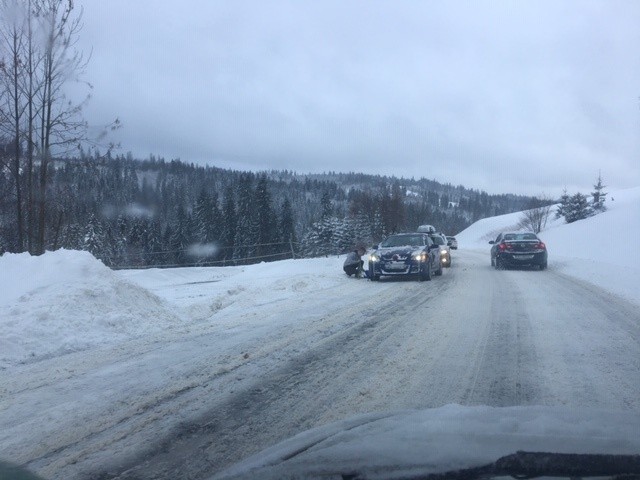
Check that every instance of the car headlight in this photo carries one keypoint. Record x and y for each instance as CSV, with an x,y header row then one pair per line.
x,y
374,257
443,253
420,256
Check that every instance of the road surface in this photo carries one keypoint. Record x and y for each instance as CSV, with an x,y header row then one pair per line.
x,y
474,336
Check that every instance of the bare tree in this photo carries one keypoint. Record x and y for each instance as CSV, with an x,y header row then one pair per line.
x,y
61,125
12,35
39,59
536,217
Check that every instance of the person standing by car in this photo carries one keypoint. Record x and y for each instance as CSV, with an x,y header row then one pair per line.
x,y
353,264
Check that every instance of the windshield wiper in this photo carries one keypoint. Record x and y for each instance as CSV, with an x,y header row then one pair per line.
x,y
542,464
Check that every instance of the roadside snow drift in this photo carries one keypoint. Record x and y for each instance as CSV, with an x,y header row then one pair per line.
x,y
66,301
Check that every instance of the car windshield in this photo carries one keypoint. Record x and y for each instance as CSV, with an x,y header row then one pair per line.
x,y
520,236
403,240
221,226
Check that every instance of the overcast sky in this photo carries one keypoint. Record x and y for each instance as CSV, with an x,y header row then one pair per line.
x,y
522,97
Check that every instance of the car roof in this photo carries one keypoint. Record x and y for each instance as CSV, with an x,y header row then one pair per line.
x,y
426,229
516,233
406,233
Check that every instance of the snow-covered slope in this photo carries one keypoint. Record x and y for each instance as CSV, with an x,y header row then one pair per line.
x,y
600,249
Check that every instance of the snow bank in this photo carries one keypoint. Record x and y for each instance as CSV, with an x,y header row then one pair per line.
x,y
66,301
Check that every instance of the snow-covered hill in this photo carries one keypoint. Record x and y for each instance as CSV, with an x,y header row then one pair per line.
x,y
600,249
67,301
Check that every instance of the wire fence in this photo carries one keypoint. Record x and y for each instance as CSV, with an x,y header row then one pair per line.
x,y
217,249
203,262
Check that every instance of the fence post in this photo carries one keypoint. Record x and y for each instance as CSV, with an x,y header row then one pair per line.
x,y
293,253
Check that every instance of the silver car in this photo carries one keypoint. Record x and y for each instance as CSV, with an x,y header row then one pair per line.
x,y
445,252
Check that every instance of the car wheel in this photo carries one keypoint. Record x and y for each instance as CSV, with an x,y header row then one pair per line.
x,y
543,266
374,278
438,272
449,262
499,265
425,275
493,262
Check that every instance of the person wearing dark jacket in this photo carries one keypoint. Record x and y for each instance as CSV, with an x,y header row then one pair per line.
x,y
353,264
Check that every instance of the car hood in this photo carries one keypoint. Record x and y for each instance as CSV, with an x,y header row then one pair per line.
x,y
450,438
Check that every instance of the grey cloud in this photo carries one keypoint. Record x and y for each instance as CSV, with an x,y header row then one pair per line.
x,y
502,96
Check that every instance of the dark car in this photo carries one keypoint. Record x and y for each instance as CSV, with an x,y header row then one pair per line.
x,y
406,254
518,249
452,242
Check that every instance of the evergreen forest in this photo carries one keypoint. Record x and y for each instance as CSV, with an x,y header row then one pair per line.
x,y
153,212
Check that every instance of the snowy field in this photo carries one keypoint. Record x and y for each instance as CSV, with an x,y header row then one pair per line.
x,y
96,365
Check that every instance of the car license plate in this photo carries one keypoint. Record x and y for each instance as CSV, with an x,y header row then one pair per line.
x,y
523,257
396,266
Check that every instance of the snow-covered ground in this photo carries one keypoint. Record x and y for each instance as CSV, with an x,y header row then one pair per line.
x,y
92,360
67,301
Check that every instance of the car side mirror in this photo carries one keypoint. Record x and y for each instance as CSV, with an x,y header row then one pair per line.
x,y
491,242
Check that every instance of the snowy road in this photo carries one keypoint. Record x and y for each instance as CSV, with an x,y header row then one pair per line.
x,y
186,404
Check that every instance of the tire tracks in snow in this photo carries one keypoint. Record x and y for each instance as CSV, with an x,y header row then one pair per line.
x,y
309,390
473,336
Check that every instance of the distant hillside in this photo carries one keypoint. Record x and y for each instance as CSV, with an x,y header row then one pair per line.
x,y
131,212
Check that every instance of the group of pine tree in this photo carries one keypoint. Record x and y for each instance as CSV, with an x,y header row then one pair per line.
x,y
153,212
578,207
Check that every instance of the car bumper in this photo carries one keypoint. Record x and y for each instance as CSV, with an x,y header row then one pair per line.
x,y
389,269
523,259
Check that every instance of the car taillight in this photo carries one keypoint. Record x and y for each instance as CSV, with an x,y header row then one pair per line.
x,y
505,246
540,246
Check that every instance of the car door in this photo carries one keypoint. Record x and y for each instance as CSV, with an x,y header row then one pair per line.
x,y
434,254
494,247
